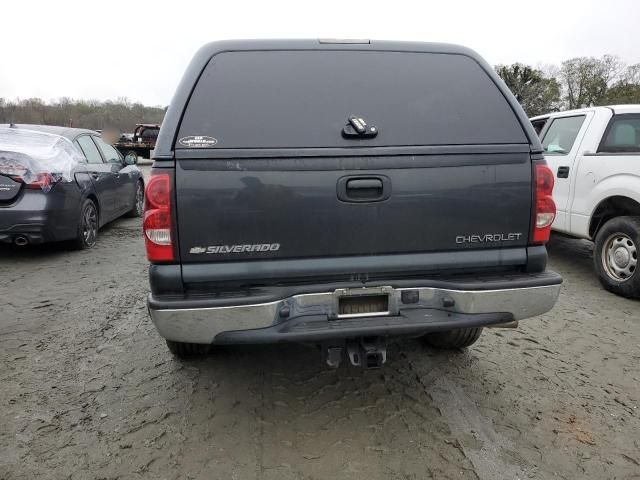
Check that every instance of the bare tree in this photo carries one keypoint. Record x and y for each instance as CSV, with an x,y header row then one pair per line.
x,y
626,89
121,115
631,74
585,80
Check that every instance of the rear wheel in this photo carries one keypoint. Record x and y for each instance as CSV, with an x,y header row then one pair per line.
x,y
87,226
616,256
453,339
138,202
186,350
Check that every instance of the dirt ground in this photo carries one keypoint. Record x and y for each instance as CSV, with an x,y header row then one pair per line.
x,y
89,390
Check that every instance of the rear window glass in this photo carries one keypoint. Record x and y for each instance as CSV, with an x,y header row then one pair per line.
x,y
623,135
297,99
89,148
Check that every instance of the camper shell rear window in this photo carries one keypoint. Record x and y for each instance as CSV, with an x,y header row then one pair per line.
x,y
303,99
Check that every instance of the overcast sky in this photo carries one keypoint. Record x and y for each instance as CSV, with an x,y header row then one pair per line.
x,y
139,49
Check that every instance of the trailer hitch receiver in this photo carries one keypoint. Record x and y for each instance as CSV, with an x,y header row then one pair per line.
x,y
367,352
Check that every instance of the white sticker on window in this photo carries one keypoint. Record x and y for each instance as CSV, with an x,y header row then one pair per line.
x,y
198,141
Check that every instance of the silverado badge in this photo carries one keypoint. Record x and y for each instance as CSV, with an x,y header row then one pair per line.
x,y
224,249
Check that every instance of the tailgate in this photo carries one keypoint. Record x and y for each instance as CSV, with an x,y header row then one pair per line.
x,y
335,207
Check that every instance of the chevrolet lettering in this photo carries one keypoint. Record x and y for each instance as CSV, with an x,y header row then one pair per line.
x,y
489,237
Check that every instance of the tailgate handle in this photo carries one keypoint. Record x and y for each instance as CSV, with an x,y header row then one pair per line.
x,y
364,184
563,172
374,188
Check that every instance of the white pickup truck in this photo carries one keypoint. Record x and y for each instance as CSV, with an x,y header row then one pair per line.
x,y
595,155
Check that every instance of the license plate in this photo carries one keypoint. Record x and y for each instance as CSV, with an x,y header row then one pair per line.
x,y
363,305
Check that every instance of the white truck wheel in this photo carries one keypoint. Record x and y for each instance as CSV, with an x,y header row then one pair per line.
x,y
616,256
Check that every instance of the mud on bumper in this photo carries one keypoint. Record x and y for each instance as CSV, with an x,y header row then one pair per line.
x,y
316,317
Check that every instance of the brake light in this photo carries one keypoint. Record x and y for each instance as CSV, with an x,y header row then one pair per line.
x,y
43,181
545,207
157,219
39,181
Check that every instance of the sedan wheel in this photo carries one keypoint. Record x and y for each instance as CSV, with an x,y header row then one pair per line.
x,y
139,199
138,203
87,226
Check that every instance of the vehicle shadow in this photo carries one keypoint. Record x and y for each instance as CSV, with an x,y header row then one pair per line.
x,y
298,372
122,227
295,371
571,255
578,248
305,360
573,259
113,231
30,252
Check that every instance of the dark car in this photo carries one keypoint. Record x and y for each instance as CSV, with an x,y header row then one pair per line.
x,y
341,193
59,183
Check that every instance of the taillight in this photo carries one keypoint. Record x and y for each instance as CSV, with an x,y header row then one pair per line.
x,y
38,181
157,219
43,181
545,207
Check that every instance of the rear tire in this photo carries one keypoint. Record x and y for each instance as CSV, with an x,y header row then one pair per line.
x,y
138,201
87,226
453,339
615,256
187,350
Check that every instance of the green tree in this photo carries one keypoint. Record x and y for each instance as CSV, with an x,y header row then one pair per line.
x,y
536,92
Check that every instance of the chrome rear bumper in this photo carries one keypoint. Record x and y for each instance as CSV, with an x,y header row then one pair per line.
x,y
313,316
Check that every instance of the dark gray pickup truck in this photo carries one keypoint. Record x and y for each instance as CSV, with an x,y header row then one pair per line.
x,y
339,193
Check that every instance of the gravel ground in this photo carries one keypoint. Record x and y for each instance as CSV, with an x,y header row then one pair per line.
x,y
89,390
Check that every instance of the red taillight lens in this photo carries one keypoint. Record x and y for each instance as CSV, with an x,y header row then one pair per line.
x,y
157,219
43,181
545,207
158,191
38,181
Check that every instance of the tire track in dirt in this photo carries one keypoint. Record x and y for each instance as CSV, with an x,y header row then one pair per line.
x,y
482,445
351,423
